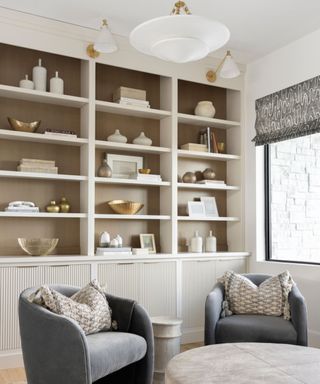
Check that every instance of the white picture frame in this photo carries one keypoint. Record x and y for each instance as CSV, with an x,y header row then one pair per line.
x,y
124,166
147,241
210,206
196,209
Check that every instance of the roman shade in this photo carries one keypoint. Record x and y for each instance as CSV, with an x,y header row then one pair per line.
x,y
289,113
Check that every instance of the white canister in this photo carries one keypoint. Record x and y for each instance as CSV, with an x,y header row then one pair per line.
x,y
196,243
56,84
205,109
211,243
120,240
142,139
116,137
104,239
26,83
114,243
39,76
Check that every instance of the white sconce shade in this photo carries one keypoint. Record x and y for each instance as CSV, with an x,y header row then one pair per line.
x,y
229,68
105,42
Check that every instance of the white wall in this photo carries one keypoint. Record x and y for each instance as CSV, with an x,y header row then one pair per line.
x,y
287,66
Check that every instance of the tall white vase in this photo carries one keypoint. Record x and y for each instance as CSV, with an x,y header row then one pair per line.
x,y
56,84
39,76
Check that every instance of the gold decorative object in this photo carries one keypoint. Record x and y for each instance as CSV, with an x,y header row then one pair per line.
x,y
125,207
37,247
209,174
144,171
104,43
64,205
227,67
91,52
221,147
18,125
189,177
53,207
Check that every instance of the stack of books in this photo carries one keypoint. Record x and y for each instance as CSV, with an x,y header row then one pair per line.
x,y
120,251
195,147
146,177
140,251
21,206
208,182
37,166
208,138
131,97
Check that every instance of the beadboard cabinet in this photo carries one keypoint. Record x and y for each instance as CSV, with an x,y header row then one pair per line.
x,y
170,282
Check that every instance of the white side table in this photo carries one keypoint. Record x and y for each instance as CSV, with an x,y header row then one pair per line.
x,y
167,334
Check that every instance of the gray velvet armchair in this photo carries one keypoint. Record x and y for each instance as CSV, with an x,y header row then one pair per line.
x,y
56,350
255,328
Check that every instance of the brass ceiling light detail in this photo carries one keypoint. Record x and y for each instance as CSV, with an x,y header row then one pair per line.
x,y
226,69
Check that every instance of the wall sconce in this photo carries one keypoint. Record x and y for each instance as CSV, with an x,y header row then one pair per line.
x,y
104,43
227,69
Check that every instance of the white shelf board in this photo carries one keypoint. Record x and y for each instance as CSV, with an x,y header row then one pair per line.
x,y
41,97
148,113
208,186
45,176
105,180
63,259
41,138
131,147
205,218
44,215
114,216
206,155
206,121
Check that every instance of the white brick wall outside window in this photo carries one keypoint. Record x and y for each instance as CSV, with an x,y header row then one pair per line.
x,y
295,199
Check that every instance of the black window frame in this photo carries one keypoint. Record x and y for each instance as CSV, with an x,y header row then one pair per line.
x,y
267,213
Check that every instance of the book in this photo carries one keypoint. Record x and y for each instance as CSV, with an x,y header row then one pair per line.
x,y
145,177
48,133
133,104
38,161
134,101
36,169
102,253
140,251
22,209
131,93
214,143
194,147
219,182
111,249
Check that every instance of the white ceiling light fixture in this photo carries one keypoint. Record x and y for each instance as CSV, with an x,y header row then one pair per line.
x,y
105,42
227,69
179,38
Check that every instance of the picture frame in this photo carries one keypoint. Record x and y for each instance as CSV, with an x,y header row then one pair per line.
x,y
123,166
210,206
196,209
147,241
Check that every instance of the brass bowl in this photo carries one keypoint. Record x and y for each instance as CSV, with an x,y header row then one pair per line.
x,y
144,171
125,207
38,247
22,126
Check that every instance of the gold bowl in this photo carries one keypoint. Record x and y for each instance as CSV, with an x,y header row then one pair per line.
x,y
144,171
125,207
22,126
38,247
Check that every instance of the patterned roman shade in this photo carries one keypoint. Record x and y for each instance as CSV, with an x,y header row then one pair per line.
x,y
290,113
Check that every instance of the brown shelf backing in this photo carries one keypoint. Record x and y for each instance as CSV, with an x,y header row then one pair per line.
x,y
186,231
16,62
109,78
67,230
149,196
67,158
52,116
130,231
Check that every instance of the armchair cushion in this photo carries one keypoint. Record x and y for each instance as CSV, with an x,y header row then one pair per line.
x,y
255,328
111,351
88,307
270,298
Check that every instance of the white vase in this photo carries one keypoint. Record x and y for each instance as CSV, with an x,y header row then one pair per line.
x,y
104,239
196,243
205,109
56,84
26,83
142,139
211,243
116,137
39,76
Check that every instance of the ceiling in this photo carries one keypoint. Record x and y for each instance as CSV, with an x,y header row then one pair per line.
x,y
257,26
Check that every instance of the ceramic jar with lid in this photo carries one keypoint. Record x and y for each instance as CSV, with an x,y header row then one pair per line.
x,y
205,109
26,83
64,205
53,207
142,139
116,137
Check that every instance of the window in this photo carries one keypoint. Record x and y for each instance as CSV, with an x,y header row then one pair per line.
x,y
292,203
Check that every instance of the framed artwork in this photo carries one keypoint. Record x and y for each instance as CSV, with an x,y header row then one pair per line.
x,y
196,209
147,241
123,166
210,206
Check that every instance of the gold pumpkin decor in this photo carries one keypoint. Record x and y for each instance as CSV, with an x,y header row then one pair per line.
x,y
125,207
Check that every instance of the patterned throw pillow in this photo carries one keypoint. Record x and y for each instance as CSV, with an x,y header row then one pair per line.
x,y
270,298
88,307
